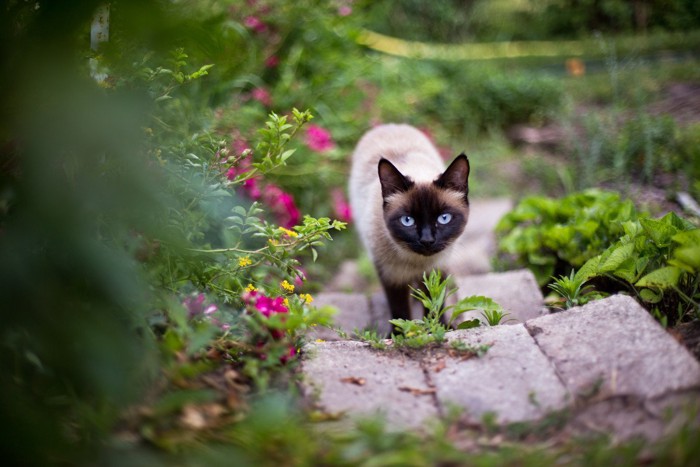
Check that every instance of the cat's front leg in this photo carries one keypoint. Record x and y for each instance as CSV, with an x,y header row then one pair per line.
x,y
397,296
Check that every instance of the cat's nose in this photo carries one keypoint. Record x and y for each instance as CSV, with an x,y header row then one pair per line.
x,y
426,237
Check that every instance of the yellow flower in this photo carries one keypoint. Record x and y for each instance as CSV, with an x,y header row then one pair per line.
x,y
244,261
320,340
306,297
251,288
287,286
289,233
286,302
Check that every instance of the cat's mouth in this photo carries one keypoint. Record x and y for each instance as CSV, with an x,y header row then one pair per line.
x,y
426,250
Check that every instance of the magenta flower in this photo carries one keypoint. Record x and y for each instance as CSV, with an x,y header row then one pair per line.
x,y
262,95
299,280
345,10
272,61
291,353
341,207
231,173
282,206
194,305
254,23
270,306
239,146
250,186
196,309
318,139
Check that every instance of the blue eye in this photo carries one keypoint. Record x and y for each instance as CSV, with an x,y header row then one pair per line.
x,y
444,218
407,221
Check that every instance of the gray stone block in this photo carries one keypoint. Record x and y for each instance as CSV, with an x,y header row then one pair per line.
x,y
350,377
380,313
613,347
353,313
516,291
627,417
484,214
513,380
477,244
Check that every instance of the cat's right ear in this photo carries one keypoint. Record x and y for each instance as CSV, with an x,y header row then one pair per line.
x,y
391,179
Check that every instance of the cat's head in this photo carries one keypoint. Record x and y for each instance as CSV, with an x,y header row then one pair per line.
x,y
426,217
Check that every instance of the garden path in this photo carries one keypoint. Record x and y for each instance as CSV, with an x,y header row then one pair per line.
x,y
604,367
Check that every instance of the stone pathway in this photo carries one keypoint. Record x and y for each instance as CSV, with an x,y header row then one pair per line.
x,y
604,367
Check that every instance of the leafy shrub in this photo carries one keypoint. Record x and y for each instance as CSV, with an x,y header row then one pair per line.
x,y
552,237
572,17
657,260
495,98
146,243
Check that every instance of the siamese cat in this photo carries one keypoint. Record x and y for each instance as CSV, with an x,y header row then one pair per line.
x,y
407,207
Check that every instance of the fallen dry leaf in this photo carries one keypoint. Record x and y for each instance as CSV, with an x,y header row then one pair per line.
x,y
192,418
418,391
354,380
439,366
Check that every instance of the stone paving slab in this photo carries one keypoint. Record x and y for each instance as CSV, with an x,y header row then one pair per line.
x,y
516,291
352,313
614,347
513,380
477,244
626,417
608,364
347,376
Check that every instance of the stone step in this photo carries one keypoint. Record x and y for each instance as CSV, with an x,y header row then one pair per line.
x,y
516,291
348,377
607,365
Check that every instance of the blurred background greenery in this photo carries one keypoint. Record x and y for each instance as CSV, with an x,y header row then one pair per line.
x,y
110,157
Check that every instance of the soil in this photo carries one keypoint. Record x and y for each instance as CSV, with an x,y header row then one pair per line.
x,y
689,335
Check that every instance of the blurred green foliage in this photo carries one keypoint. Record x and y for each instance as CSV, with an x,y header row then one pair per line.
x,y
456,21
142,190
554,236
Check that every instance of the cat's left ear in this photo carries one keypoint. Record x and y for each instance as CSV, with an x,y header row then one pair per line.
x,y
456,177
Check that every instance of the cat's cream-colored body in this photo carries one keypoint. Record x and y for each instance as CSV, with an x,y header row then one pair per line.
x,y
414,156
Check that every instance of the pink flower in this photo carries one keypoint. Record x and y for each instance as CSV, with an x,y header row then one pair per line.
x,y
269,306
299,279
262,95
291,353
195,308
272,61
251,187
341,208
194,305
254,23
318,139
345,10
231,173
239,146
282,206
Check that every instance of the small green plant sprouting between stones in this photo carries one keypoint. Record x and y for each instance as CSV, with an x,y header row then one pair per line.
x,y
573,290
432,328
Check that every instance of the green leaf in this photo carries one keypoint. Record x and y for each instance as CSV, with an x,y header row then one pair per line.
x,y
627,270
662,278
660,231
618,254
650,296
588,270
469,324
